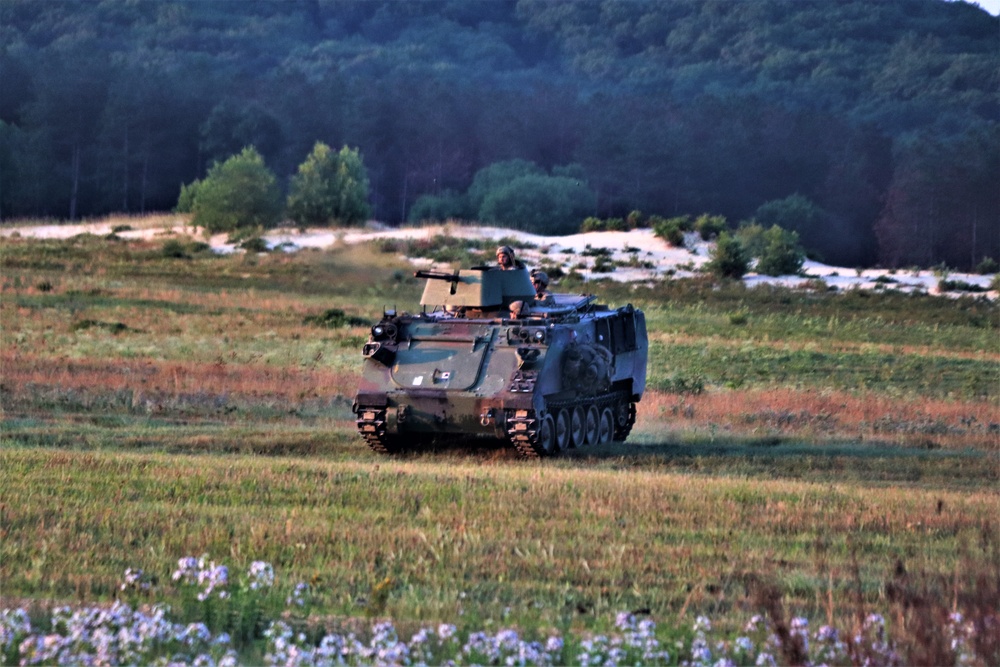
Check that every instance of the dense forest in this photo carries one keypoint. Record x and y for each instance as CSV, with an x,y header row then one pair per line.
x,y
883,116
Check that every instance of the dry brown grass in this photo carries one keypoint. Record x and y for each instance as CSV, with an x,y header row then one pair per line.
x,y
172,378
830,414
834,346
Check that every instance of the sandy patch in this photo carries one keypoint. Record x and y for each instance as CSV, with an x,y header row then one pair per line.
x,y
638,255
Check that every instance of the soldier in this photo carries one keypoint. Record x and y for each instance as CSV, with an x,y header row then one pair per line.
x,y
507,260
540,280
517,310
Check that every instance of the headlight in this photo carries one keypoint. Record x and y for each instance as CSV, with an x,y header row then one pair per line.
x,y
539,336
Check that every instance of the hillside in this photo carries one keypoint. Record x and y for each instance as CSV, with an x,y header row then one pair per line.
x,y
877,114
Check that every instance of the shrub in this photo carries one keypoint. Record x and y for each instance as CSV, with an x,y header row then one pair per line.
x,y
946,285
794,212
781,255
539,203
751,236
988,265
603,264
592,224
254,244
497,176
710,225
670,230
448,205
183,249
334,318
728,258
777,250
174,249
329,188
185,201
635,220
237,194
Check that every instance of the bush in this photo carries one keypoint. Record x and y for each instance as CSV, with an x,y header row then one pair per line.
x,y
592,224
254,244
635,220
988,265
448,205
946,285
334,318
781,255
710,225
670,230
497,176
174,249
329,188
751,236
729,259
240,193
815,226
185,201
539,203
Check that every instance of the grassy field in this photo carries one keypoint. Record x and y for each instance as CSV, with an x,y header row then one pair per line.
x,y
798,454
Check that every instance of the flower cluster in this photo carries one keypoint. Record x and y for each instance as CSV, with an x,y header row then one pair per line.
x,y
261,575
113,636
298,595
762,645
214,578
122,635
135,580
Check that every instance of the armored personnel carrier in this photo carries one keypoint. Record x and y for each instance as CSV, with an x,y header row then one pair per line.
x,y
483,358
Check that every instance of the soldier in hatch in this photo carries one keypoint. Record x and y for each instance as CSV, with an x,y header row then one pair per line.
x,y
507,260
540,280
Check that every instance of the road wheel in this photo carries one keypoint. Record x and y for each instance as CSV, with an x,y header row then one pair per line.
x,y
624,420
564,435
593,425
577,426
607,430
546,442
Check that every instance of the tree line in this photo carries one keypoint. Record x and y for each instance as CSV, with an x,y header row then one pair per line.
x,y
880,120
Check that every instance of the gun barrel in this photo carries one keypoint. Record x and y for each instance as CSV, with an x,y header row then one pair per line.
x,y
437,275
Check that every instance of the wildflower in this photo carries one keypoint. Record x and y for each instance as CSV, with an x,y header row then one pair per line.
x,y
446,631
826,633
625,620
134,579
187,569
765,660
702,624
213,577
298,595
261,575
14,623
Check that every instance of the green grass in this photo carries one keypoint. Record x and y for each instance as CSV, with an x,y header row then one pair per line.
x,y
534,542
162,407
762,363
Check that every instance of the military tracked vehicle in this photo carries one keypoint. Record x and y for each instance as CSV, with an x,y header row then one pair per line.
x,y
484,358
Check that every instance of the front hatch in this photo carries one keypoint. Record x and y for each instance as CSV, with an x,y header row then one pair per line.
x,y
440,357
